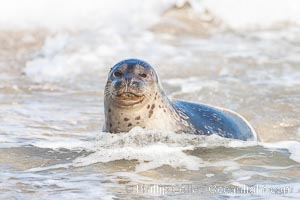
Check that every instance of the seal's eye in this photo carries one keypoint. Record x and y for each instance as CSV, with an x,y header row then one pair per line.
x,y
143,75
117,73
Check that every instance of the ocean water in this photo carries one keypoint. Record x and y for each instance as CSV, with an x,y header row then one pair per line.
x,y
237,54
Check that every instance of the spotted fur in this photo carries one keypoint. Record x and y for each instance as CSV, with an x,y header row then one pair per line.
x,y
156,111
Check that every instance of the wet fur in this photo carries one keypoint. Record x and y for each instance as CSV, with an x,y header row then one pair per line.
x,y
159,113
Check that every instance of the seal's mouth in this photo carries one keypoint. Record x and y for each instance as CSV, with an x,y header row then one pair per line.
x,y
129,99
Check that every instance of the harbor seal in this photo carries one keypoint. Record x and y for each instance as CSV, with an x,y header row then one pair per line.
x,y
134,97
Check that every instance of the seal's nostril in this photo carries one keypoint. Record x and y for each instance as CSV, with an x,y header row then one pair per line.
x,y
119,85
134,85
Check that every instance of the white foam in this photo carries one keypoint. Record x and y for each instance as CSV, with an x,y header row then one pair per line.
x,y
100,38
192,84
292,146
209,175
59,143
53,63
153,149
65,56
244,14
149,157
55,14
85,36
228,164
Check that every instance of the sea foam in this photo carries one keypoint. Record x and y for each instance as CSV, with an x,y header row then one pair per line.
x,y
153,149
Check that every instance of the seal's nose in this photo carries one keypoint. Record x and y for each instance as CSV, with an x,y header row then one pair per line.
x,y
120,84
132,83
135,85
128,84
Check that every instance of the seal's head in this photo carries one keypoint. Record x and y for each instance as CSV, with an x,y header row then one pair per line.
x,y
130,84
134,97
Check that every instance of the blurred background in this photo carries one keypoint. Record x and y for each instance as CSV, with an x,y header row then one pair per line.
x,y
55,55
